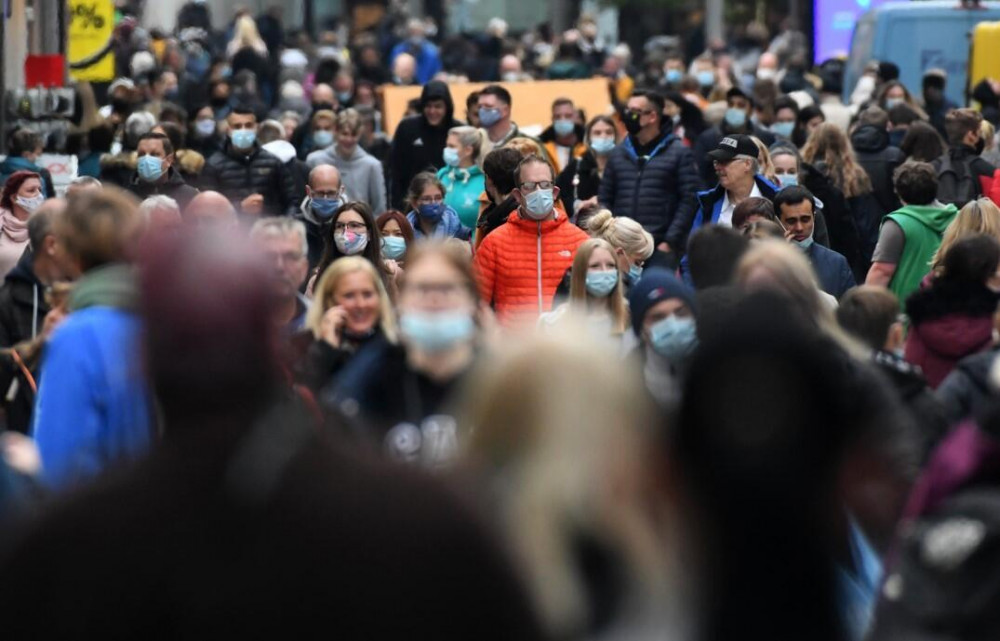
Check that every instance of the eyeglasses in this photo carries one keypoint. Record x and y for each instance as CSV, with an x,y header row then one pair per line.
x,y
355,227
430,200
532,186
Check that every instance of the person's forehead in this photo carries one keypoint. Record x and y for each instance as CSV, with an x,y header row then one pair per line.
x,y
638,102
535,171
435,102
325,180
564,108
665,307
488,99
150,144
350,216
242,118
739,100
798,209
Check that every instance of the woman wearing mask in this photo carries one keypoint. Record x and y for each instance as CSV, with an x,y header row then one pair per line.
x,y
352,232
429,216
632,244
397,235
351,309
895,93
396,395
203,135
829,150
663,319
462,174
580,180
954,316
21,197
596,294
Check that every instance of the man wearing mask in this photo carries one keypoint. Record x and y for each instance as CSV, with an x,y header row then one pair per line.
x,y
739,108
796,210
282,241
651,176
323,99
252,179
425,53
324,196
155,173
564,138
494,115
419,140
521,264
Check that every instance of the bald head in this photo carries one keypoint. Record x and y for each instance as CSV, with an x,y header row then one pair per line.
x,y
404,67
768,61
212,209
510,64
324,178
323,95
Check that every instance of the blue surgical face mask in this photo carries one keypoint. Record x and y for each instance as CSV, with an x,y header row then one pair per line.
x,y
602,146
431,212
706,78
600,284
563,127
349,243
673,76
450,157
322,138
783,129
344,96
736,117
788,180
438,331
805,243
538,204
150,168
674,338
634,274
325,207
892,102
489,117
205,127
243,138
393,247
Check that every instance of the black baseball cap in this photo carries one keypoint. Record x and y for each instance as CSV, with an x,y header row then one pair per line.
x,y
736,92
732,146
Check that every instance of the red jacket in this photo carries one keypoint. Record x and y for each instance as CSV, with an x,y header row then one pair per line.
x,y
521,264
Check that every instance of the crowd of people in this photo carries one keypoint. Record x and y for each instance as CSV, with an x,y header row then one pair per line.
x,y
720,362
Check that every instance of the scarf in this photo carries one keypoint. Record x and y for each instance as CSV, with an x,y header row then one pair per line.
x,y
13,227
106,286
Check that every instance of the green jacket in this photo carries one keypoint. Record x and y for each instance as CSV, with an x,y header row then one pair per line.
x,y
923,226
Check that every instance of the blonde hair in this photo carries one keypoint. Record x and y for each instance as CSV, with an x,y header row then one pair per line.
x,y
764,162
791,276
622,233
526,147
472,137
980,216
324,114
578,296
829,144
567,459
989,133
245,34
349,119
327,287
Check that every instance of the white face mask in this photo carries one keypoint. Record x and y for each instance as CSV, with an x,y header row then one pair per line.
x,y
32,204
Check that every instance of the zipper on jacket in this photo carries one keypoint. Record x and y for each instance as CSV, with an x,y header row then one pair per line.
x,y
540,311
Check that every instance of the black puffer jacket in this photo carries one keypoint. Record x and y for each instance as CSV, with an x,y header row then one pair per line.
x,y
237,175
879,159
417,145
174,187
22,312
579,180
659,190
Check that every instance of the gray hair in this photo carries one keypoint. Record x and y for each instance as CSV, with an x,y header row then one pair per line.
x,y
754,163
85,181
269,131
137,125
280,227
159,201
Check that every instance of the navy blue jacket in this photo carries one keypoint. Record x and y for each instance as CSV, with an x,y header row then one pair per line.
x,y
658,191
835,276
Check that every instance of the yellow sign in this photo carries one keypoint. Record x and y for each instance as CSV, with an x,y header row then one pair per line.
x,y
89,42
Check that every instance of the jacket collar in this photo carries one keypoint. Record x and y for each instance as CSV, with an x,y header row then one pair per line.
x,y
111,285
711,196
630,146
533,225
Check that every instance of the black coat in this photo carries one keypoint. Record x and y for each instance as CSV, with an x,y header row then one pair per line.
x,y
867,214
117,169
658,191
709,139
579,180
174,187
840,225
879,159
925,409
22,310
417,145
968,392
494,216
236,176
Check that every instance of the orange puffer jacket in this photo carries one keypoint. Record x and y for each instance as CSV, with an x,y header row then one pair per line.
x,y
521,264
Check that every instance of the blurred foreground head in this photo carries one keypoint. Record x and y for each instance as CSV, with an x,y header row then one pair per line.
x,y
207,314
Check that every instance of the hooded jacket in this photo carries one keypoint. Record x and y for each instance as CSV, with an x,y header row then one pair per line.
x,y
462,189
22,314
174,187
879,160
659,191
236,175
94,408
521,264
317,231
923,227
10,164
117,169
361,174
417,145
949,321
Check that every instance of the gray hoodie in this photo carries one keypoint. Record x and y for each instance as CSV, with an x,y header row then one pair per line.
x,y
361,174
